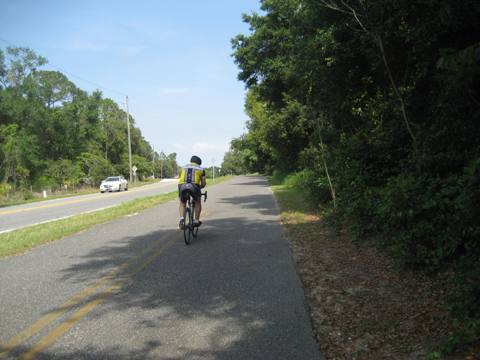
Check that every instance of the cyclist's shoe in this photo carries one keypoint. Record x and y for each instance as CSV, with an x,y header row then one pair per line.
x,y
197,223
181,224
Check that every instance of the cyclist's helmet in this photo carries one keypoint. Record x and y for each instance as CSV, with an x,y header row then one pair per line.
x,y
195,159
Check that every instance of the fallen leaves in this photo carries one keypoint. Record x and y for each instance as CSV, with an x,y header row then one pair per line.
x,y
362,305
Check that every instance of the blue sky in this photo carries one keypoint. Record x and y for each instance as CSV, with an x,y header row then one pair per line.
x,y
172,58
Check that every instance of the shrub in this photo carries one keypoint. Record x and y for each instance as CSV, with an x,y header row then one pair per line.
x,y
277,177
314,186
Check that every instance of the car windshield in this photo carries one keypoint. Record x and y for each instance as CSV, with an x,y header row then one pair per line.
x,y
112,179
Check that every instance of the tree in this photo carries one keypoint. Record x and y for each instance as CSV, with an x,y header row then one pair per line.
x,y
144,167
382,99
18,65
51,87
18,154
95,168
232,163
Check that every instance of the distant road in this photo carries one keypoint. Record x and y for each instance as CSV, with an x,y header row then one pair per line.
x,y
19,216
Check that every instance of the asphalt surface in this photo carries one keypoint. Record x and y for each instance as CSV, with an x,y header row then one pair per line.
x,y
14,217
131,288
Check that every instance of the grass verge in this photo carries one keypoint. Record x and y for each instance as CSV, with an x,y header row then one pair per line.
x,y
64,194
20,240
362,304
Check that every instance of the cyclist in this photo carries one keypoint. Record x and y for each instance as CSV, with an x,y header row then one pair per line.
x,y
191,180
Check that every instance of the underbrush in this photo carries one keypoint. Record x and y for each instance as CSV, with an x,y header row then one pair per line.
x,y
428,225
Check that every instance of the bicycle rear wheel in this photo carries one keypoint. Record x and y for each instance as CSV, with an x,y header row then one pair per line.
x,y
187,230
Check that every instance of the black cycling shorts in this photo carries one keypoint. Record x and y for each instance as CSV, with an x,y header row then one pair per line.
x,y
189,189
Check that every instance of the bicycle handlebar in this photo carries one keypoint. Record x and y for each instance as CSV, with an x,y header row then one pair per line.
x,y
204,194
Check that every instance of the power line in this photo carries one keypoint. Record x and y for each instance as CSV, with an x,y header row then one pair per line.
x,y
71,74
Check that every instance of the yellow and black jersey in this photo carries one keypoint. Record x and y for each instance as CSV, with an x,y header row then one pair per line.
x,y
191,173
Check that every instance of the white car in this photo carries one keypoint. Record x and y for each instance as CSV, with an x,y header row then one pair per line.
x,y
114,183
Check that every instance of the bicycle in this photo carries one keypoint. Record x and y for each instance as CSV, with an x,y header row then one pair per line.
x,y
190,230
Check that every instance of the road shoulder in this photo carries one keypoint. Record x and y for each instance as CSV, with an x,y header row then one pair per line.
x,y
362,305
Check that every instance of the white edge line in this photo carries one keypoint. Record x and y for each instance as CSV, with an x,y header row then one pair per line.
x,y
56,219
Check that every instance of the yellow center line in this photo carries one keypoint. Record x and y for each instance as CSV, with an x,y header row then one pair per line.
x,y
58,312
49,318
77,298
9,212
63,327
14,211
67,324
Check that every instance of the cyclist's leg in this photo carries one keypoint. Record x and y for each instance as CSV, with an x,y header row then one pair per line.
x,y
198,204
198,209
182,208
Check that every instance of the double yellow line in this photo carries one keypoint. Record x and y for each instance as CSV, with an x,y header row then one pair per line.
x,y
61,329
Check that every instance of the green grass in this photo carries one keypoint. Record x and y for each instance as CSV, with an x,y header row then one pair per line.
x,y
60,195
297,212
21,240
291,199
18,241
17,201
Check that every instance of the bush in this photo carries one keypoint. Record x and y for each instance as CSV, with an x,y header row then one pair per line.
x,y
44,183
428,222
314,187
277,177
3,189
419,219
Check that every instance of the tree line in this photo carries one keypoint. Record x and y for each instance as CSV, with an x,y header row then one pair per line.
x,y
375,106
54,135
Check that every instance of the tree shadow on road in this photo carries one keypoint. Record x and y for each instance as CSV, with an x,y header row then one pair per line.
x,y
260,182
252,180
232,294
264,203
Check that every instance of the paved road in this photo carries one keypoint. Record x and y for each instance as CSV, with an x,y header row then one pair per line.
x,y
131,289
14,217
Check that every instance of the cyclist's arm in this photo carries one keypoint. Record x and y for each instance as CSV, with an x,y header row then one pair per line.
x,y
203,181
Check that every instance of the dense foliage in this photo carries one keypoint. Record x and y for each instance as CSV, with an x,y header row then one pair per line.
x,y
377,105
54,135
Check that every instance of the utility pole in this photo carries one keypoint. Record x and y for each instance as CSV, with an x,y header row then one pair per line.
x,y
162,156
129,143
213,165
153,162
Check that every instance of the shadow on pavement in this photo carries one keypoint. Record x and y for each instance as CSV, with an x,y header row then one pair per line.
x,y
231,294
264,203
255,182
